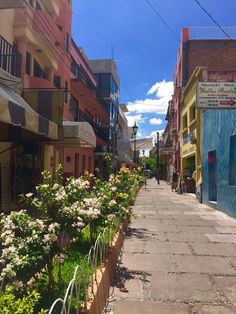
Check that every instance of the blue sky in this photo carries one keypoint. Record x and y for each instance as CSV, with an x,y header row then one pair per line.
x,y
143,47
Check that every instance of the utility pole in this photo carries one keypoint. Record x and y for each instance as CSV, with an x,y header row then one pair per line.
x,y
157,161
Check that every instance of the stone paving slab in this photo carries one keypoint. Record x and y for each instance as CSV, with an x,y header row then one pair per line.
x,y
148,262
222,238
149,308
230,230
197,229
186,237
195,222
221,249
183,287
134,246
204,264
215,309
167,248
228,286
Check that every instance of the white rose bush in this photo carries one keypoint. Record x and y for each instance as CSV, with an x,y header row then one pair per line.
x,y
30,238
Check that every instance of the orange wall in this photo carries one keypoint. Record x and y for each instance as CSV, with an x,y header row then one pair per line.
x,y
70,163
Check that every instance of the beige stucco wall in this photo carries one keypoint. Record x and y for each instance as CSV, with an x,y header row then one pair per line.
x,y
5,157
6,29
48,158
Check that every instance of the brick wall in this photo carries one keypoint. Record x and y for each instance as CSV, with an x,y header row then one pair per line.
x,y
215,54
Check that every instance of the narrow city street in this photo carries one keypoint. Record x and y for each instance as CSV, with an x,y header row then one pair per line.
x,y
179,257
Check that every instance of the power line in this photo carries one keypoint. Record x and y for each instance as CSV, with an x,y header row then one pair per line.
x,y
210,16
163,21
48,41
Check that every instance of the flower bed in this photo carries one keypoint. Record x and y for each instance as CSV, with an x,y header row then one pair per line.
x,y
32,246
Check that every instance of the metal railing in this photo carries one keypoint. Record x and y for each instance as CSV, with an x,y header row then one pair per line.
x,y
10,58
84,280
212,33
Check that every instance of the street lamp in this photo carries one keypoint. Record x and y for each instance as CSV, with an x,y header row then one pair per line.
x,y
135,130
157,161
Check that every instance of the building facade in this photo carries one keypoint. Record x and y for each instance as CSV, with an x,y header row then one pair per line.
x,y
108,84
219,152
197,50
191,139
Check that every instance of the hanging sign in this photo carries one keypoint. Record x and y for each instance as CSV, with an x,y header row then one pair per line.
x,y
213,95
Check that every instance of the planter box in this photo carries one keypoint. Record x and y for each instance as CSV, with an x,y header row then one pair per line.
x,y
104,275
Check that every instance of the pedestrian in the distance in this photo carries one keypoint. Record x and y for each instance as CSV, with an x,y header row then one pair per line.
x,y
157,177
174,182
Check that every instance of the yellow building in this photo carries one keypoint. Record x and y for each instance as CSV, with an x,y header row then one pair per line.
x,y
191,130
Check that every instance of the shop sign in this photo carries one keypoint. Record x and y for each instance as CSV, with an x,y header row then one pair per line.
x,y
167,151
213,95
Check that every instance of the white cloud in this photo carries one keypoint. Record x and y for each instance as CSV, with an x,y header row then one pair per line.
x,y
139,119
154,135
162,89
163,92
155,121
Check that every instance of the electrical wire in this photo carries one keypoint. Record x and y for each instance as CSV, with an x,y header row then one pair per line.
x,y
67,67
210,16
162,19
48,22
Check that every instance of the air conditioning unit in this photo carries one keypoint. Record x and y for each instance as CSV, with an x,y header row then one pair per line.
x,y
12,4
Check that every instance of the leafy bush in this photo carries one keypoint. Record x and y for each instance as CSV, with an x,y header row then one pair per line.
x,y
11,304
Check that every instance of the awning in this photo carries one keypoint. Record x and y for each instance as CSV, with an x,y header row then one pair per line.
x,y
80,133
16,111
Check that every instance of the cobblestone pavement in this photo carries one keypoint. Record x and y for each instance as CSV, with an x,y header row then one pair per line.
x,y
179,257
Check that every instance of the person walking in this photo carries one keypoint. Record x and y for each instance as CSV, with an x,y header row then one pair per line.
x,y
157,176
174,182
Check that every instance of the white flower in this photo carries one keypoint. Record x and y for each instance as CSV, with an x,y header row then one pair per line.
x,y
29,194
55,186
8,271
112,203
46,238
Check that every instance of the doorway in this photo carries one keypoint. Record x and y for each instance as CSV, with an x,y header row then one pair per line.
x,y
212,176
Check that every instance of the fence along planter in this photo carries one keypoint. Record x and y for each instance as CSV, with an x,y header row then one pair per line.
x,y
99,291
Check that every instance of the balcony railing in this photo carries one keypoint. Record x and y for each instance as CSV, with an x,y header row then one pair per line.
x,y
102,133
80,73
10,58
212,33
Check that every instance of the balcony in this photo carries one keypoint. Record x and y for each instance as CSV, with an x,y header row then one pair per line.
x,y
41,31
80,74
102,133
10,58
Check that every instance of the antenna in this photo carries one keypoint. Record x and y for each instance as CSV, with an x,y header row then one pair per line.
x,y
112,51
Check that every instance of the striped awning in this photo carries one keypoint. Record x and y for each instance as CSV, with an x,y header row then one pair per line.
x,y
16,111
80,133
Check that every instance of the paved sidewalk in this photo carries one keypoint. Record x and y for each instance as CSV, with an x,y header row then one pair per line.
x,y
179,257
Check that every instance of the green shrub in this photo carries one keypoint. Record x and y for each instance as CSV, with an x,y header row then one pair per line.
x,y
11,304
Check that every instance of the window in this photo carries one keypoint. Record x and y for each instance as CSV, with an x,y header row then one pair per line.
x,y
59,27
38,72
74,108
185,121
28,63
66,92
232,161
74,68
38,6
67,43
192,113
57,81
